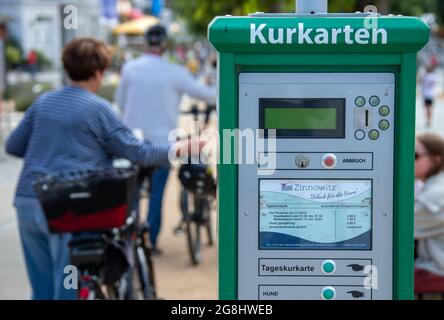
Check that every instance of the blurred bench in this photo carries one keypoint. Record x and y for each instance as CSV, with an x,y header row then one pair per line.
x,y
428,285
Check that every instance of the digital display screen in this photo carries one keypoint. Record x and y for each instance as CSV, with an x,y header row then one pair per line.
x,y
303,117
300,118
315,214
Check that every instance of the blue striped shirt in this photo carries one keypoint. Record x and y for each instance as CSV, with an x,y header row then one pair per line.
x,y
73,129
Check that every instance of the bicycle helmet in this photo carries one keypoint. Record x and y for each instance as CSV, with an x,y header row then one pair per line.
x,y
197,178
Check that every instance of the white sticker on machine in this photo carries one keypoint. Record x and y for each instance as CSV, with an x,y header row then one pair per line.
x,y
315,214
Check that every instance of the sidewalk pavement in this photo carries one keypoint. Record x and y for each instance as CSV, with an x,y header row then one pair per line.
x,y
12,270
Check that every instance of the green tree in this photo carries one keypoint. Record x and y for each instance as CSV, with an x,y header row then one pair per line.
x,y
199,13
14,55
440,11
414,7
343,6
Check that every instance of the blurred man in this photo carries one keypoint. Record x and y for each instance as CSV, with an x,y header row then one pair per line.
x,y
149,94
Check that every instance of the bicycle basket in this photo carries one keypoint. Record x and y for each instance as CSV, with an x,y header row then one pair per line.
x,y
197,178
87,200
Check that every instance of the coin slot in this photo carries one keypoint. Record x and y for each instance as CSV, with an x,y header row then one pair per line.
x,y
366,118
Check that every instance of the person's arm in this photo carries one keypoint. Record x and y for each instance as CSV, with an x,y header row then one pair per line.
x,y
17,142
429,221
122,143
118,140
189,85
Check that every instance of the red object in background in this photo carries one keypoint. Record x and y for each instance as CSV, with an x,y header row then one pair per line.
x,y
32,57
135,14
434,61
427,282
84,293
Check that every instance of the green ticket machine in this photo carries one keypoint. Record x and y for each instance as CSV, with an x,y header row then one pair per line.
x,y
321,207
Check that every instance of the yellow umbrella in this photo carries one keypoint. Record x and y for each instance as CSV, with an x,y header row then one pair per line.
x,y
137,26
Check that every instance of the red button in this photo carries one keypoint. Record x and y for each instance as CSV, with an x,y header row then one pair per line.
x,y
329,161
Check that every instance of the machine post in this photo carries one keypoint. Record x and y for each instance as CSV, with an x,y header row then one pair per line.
x,y
311,6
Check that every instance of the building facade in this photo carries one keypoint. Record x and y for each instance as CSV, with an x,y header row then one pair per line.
x,y
41,24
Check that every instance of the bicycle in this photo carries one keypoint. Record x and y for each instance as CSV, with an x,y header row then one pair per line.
x,y
197,195
112,263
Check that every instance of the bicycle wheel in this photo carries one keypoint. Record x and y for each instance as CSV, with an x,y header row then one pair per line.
x,y
110,292
87,292
208,225
90,287
145,245
95,291
192,228
141,277
151,277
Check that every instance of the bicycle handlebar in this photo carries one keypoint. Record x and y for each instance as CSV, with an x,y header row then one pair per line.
x,y
195,111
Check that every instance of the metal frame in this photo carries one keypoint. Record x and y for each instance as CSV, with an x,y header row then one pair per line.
x,y
312,6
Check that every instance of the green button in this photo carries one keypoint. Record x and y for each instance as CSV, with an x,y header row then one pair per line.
x,y
328,266
373,134
384,111
328,293
374,101
360,101
384,125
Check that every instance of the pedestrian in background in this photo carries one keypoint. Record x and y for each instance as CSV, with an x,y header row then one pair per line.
x,y
65,130
428,83
33,64
149,94
429,207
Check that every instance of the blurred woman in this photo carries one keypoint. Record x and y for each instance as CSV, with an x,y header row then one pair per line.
x,y
428,83
64,130
429,205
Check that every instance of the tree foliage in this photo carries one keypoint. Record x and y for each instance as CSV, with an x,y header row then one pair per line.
x,y
199,13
